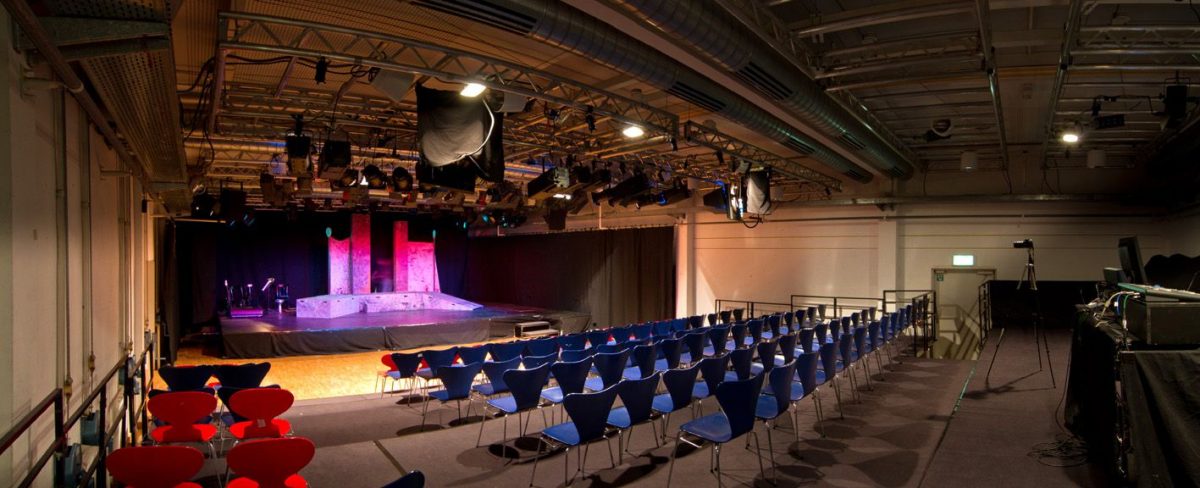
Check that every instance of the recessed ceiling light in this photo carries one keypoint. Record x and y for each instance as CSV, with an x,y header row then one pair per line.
x,y
1070,137
633,132
472,90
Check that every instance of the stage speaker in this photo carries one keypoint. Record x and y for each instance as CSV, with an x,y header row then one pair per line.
x,y
393,84
716,199
758,191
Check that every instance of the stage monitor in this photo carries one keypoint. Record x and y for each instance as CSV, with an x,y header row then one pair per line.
x,y
1131,260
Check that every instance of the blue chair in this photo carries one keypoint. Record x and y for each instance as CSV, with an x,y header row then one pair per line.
x,y
620,335
573,355
741,363
787,347
712,370
661,329
806,369
249,375
637,397
456,383
643,357
846,353
610,367
718,336
737,333
738,400
406,365
789,318
670,351
414,479
861,349
542,347
531,362
766,357
642,332
822,332
679,384
597,338
186,378
435,359
503,351
807,340
775,404
526,387
494,371
757,334
694,342
471,355
876,342
695,322
829,371
570,377
589,422
572,342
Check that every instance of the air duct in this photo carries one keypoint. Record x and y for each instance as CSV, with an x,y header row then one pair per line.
x,y
706,27
558,24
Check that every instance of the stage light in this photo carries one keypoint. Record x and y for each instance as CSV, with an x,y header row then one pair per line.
x,y
376,180
1071,136
402,181
633,132
322,68
561,196
472,90
590,118
349,178
203,205
675,194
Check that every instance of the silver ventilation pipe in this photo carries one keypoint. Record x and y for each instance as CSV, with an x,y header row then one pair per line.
x,y
707,27
556,23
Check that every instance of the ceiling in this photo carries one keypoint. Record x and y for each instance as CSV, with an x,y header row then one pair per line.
x,y
1005,73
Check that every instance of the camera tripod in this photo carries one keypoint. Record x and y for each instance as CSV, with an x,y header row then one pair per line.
x,y
1029,282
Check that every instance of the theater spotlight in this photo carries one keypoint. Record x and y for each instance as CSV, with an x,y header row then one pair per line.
x,y
203,205
349,178
376,180
472,90
675,194
402,181
633,132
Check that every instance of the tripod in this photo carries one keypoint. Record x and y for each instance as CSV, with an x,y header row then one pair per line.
x,y
1029,278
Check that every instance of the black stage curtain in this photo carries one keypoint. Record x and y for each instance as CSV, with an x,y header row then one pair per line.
x,y
618,276
1161,395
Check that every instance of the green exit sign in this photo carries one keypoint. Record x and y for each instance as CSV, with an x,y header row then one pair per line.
x,y
963,260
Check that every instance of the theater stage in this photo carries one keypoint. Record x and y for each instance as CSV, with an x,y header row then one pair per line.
x,y
276,335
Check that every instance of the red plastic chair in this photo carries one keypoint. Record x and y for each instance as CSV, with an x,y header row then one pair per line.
x,y
261,406
155,466
382,377
270,463
181,410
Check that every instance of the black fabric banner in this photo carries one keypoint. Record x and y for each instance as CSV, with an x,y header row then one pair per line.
x,y
1163,401
619,276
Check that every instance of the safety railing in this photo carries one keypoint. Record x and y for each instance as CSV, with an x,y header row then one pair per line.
x,y
751,308
835,306
924,317
985,312
133,416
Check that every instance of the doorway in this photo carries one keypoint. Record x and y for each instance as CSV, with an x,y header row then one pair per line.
x,y
958,328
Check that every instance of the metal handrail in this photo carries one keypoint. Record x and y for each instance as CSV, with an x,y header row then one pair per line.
x,y
838,302
924,312
750,306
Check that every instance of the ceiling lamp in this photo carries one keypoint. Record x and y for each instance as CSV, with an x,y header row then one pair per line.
x,y
472,90
1072,135
402,181
374,177
633,132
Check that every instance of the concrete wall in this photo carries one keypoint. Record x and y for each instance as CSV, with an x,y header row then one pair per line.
x,y
75,269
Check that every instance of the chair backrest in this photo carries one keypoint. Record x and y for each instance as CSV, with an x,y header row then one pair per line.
x,y
738,333
844,347
805,339
835,330
226,394
589,412
154,466
780,380
806,369
718,336
260,406
659,329
573,355
270,462
572,375
671,349
822,332
531,362
620,335
828,354
542,347
597,338
414,479
503,351
637,396
817,311
471,355
726,316
642,332
643,358
713,370
740,360
405,364
712,319
695,322
249,375
846,326
572,342
873,334
738,400
526,385
611,366
437,358
695,344
885,327
679,383
766,354
860,340
855,318
457,379
180,410
186,378
609,348
755,327
787,344
789,318
494,370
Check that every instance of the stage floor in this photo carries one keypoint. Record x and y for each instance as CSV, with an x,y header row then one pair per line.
x,y
276,335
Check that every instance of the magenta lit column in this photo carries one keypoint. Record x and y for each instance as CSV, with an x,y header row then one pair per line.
x,y
360,253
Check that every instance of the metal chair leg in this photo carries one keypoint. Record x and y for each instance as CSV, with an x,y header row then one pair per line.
x,y
481,422
671,469
771,449
533,473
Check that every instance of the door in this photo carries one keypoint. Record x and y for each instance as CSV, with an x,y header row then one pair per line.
x,y
958,327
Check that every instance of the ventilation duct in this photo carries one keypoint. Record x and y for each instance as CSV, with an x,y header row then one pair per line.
x,y
706,27
558,24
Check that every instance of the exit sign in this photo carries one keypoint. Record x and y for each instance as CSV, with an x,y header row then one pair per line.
x,y
963,260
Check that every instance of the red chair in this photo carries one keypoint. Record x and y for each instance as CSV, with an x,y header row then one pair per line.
x,y
270,463
382,377
181,410
260,407
155,466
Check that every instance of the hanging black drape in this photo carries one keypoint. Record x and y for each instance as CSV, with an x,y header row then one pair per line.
x,y
618,276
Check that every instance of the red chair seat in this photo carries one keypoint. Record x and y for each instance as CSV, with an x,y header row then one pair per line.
x,y
293,481
250,429
155,466
197,433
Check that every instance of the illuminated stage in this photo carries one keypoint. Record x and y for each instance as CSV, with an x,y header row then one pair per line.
x,y
275,335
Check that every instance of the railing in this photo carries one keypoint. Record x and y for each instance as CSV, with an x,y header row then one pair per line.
x,y
753,309
835,306
924,317
985,312
131,416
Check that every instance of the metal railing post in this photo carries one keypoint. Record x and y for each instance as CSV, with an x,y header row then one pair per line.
x,y
101,473
60,433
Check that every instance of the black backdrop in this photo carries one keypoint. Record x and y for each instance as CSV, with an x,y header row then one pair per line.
x,y
617,276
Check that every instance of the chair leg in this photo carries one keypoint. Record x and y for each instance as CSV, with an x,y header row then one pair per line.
x,y
671,469
837,392
770,449
481,422
717,454
533,473
424,411
820,412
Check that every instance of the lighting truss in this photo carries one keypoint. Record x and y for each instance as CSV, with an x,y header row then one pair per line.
x,y
732,147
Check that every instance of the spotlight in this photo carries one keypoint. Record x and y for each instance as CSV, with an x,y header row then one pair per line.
x,y
633,132
472,90
1070,136
203,205
376,180
349,178
675,194
322,68
402,181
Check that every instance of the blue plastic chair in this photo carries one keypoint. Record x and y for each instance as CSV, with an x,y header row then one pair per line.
x,y
620,335
456,382
807,340
846,364
643,357
695,322
637,397
875,342
435,359
542,347
570,378
737,334
414,479
503,351
775,404
822,333
610,367
757,334
589,422
712,370
862,348
679,384
597,338
661,329
573,355
738,400
641,332
741,363
670,351
249,375
787,347
406,369
829,371
806,370
471,355
494,371
766,357
572,342
526,388
718,336
694,342
531,362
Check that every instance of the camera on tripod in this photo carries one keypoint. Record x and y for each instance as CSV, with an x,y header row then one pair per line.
x,y
1023,244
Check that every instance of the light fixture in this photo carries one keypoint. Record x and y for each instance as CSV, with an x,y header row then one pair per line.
x,y
963,260
1070,137
374,177
322,69
562,196
633,132
472,90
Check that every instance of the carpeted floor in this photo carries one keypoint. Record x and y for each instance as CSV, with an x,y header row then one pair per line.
x,y
991,438
886,439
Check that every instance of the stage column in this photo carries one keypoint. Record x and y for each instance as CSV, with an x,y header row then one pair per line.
x,y
360,253
400,255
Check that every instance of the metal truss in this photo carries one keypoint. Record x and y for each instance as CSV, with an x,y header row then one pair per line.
x,y
697,134
307,39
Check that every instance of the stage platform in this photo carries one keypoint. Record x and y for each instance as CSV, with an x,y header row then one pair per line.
x,y
276,335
